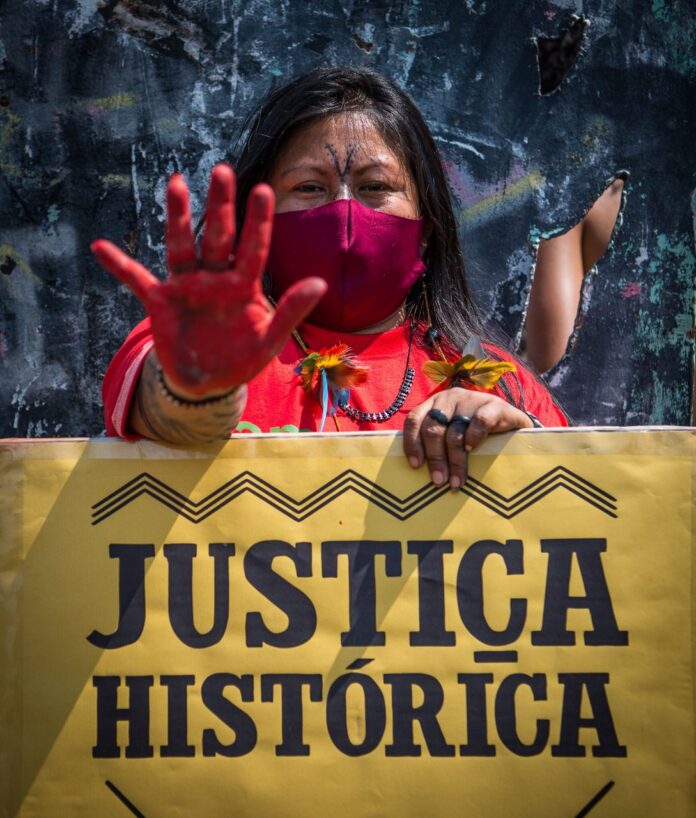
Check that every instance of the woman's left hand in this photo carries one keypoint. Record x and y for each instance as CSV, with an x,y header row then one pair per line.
x,y
447,426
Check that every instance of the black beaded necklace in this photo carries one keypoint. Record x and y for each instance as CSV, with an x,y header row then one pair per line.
x,y
357,415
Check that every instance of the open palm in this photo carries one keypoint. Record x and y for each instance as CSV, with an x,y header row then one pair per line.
x,y
212,325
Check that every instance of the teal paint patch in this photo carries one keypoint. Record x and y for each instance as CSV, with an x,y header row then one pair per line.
x,y
669,272
678,24
536,235
665,396
659,10
53,214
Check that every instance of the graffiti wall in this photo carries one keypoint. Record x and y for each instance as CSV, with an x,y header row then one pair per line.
x,y
101,101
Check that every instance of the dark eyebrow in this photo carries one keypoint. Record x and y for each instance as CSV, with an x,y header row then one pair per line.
x,y
375,163
314,167
318,167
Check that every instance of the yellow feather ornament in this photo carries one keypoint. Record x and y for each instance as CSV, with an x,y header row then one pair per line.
x,y
474,370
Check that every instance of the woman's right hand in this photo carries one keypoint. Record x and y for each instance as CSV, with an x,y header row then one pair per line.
x,y
212,325
442,431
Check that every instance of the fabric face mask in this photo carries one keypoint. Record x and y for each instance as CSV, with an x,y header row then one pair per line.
x,y
370,260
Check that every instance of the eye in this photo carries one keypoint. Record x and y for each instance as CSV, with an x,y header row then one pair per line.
x,y
375,187
308,187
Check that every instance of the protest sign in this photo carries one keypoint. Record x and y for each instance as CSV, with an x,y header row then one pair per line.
x,y
303,625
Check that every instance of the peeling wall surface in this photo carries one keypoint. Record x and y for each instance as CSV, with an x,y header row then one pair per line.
x,y
101,101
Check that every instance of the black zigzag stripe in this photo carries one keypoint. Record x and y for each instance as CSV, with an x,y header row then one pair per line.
x,y
146,484
401,508
558,477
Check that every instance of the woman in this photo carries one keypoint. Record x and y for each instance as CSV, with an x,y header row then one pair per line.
x,y
346,209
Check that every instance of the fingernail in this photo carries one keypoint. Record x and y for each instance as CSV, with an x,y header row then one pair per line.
x,y
468,448
413,462
437,477
455,483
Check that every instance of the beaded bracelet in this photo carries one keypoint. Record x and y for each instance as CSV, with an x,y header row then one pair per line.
x,y
185,403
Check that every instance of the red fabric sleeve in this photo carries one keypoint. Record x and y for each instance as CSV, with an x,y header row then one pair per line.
x,y
121,379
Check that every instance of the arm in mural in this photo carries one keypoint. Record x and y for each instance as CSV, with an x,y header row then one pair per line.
x,y
213,328
562,263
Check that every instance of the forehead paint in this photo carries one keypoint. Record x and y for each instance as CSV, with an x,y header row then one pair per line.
x,y
349,158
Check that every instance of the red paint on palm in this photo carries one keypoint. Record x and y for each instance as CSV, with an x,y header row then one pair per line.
x,y
212,326
204,340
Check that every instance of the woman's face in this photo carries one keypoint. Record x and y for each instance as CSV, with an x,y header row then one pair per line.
x,y
342,157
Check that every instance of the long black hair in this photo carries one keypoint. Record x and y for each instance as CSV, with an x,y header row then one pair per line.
x,y
332,91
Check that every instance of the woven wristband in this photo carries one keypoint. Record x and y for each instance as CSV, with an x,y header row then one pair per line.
x,y
185,403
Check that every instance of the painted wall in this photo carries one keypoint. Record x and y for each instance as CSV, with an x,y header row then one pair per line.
x,y
99,102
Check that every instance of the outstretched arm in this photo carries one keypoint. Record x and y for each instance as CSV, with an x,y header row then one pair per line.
x,y
213,328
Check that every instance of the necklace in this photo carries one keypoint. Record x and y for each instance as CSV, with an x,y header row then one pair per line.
x,y
406,384
357,415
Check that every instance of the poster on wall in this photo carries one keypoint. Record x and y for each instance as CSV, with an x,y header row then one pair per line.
x,y
303,625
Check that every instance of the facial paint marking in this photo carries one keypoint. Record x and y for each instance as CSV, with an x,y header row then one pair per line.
x,y
349,158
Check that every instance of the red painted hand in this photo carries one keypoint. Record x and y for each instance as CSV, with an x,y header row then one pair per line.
x,y
212,325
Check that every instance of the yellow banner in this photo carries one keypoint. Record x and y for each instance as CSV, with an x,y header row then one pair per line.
x,y
302,625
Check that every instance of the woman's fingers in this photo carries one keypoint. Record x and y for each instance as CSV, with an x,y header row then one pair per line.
x,y
295,305
219,229
445,428
488,418
434,437
492,417
255,239
181,245
436,432
413,446
128,271
456,450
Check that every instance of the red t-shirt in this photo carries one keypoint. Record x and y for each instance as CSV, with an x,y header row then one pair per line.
x,y
277,403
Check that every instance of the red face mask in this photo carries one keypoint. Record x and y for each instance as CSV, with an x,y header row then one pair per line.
x,y
370,260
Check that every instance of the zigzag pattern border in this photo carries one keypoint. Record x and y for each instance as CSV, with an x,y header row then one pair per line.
x,y
349,480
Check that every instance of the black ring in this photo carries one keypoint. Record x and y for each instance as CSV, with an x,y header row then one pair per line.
x,y
439,417
460,419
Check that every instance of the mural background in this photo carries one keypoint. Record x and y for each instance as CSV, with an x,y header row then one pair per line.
x,y
100,102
